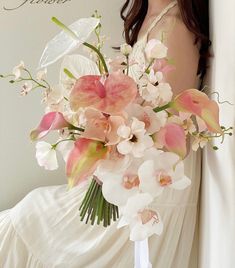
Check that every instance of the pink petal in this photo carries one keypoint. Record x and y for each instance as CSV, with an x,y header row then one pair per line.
x,y
84,159
112,96
173,138
97,125
196,102
50,121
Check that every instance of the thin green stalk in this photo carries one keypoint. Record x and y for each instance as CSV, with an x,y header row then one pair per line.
x,y
74,36
162,108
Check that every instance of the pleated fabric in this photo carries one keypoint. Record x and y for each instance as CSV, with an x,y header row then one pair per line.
x,y
44,230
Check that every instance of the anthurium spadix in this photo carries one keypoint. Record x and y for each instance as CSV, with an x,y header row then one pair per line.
x,y
50,121
84,159
65,41
107,94
198,103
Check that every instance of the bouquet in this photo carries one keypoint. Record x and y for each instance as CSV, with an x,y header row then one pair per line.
x,y
127,136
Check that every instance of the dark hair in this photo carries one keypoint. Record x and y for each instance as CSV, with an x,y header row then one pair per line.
x,y
194,13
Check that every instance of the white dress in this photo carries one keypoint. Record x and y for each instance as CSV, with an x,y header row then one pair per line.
x,y
44,229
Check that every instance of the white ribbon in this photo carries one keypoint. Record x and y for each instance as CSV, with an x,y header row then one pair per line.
x,y
142,254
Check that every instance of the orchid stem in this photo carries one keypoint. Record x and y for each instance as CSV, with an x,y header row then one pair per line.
x,y
162,108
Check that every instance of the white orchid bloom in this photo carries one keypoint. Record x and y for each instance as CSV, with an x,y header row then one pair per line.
x,y
136,141
65,148
153,121
120,179
18,69
143,222
64,43
165,170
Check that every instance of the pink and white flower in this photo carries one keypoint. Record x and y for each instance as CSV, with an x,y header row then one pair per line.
x,y
155,49
119,179
143,221
153,121
18,69
135,139
166,170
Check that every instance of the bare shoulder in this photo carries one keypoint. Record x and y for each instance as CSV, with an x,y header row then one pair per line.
x,y
181,49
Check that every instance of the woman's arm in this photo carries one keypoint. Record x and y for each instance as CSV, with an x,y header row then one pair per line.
x,y
182,50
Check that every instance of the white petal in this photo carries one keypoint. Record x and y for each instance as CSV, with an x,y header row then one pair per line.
x,y
125,147
63,43
65,148
181,184
115,193
124,132
78,65
148,180
136,203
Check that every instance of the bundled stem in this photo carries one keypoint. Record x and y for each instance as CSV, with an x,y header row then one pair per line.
x,y
95,208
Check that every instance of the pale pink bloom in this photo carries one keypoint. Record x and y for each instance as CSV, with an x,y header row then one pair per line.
x,y
41,75
135,140
18,69
118,64
109,95
163,171
83,160
153,121
50,121
102,127
185,121
195,102
199,142
26,88
126,49
161,65
142,221
172,137
155,49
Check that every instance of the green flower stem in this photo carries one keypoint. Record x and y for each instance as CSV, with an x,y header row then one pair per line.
x,y
162,108
74,36
72,127
56,144
95,208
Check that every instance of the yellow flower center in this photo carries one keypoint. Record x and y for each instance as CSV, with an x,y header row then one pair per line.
x,y
165,180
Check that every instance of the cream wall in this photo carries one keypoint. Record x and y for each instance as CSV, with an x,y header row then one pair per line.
x,y
23,35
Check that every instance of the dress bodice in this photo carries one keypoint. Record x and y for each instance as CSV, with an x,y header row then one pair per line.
x,y
138,54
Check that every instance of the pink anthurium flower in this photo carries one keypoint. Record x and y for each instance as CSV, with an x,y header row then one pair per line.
x,y
109,95
50,121
198,103
84,159
172,137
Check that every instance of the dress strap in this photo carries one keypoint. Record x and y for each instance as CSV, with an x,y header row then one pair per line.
x,y
162,14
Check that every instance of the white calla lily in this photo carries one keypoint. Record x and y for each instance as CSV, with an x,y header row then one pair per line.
x,y
63,43
79,66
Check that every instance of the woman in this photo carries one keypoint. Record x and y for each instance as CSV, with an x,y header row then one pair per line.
x,y
44,229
